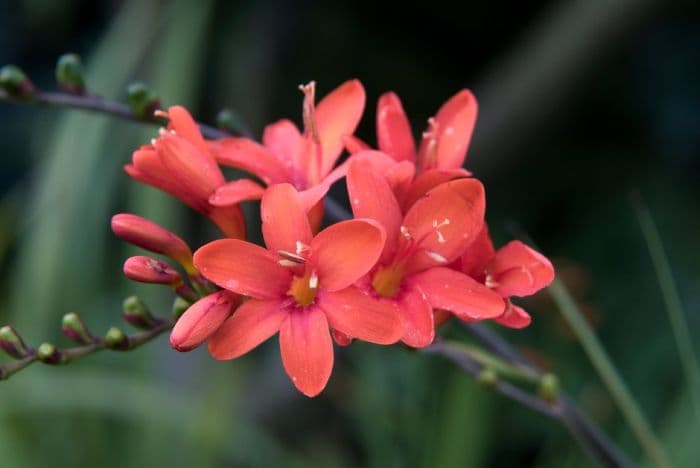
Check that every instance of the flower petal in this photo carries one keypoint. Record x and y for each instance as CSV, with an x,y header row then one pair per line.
x,y
354,145
284,222
337,115
455,123
236,191
252,323
445,221
514,317
183,124
344,252
285,141
417,317
307,350
359,315
519,270
428,180
202,319
477,255
371,197
393,129
229,219
243,268
243,153
195,170
454,291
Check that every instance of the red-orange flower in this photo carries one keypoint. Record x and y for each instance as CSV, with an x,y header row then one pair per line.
x,y
514,270
180,163
299,286
412,274
442,150
305,160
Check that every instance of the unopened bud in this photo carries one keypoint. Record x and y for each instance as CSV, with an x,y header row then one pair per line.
x,y
202,319
149,270
12,343
137,314
487,377
14,82
229,120
69,74
150,236
116,339
49,354
180,305
74,328
549,387
142,101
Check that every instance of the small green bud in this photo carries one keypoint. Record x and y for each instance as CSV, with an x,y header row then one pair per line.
x,y
49,354
229,120
69,74
116,339
180,305
549,387
487,377
74,328
142,101
12,343
137,314
14,82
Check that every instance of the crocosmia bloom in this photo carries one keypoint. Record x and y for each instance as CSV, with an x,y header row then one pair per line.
x,y
299,286
412,274
304,159
514,270
180,163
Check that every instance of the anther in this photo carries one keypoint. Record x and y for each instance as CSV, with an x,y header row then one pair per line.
x,y
161,113
313,281
404,232
289,256
436,256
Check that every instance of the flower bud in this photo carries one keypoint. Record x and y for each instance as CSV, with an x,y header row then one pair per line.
x,y
74,328
487,377
202,319
150,236
149,270
549,387
137,314
142,101
116,339
180,305
49,354
12,343
14,82
69,74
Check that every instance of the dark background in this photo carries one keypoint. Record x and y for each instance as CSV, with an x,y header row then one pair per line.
x,y
581,104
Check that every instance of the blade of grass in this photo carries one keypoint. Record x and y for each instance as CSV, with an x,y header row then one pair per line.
x,y
608,374
672,300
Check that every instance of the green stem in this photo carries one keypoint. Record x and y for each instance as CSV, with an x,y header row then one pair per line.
x,y
608,374
672,300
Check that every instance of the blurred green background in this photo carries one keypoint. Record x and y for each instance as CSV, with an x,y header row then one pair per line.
x,y
581,103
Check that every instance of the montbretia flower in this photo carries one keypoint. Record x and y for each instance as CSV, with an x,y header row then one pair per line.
x,y
514,270
299,286
180,163
412,274
305,160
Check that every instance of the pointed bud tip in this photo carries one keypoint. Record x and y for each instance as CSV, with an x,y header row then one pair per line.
x,y
142,100
116,339
137,314
12,343
49,354
69,74
14,82
75,330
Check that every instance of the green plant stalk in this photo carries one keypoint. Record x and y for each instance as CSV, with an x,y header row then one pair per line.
x,y
672,300
609,375
501,367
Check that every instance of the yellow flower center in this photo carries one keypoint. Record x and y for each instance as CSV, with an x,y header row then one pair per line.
x,y
303,289
387,280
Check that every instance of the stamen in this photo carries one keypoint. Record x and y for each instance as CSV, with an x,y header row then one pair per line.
x,y
153,142
301,247
294,258
490,282
287,263
436,256
161,113
404,232
313,281
162,131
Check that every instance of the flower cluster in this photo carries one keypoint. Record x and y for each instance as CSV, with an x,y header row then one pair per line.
x,y
416,252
